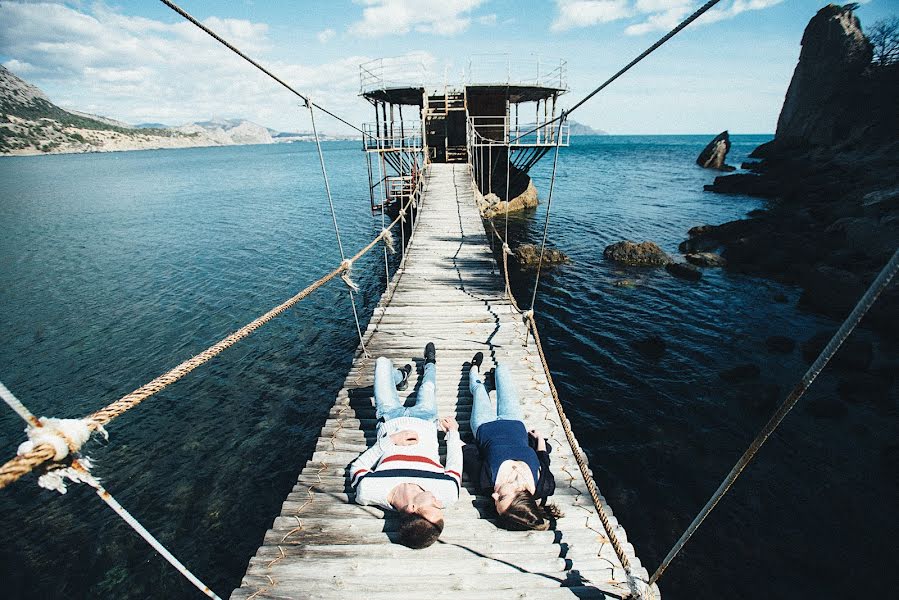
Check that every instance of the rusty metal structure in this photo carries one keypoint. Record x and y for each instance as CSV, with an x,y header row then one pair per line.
x,y
500,118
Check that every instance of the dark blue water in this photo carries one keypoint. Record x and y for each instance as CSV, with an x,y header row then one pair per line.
x,y
115,267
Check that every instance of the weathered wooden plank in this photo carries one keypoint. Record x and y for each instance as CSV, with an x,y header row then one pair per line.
x,y
322,545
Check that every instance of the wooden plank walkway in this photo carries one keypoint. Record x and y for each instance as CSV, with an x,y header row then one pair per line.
x,y
324,546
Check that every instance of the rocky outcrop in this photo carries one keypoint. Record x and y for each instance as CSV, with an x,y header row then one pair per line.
x,y
831,176
528,256
821,106
644,254
491,205
705,259
684,271
715,153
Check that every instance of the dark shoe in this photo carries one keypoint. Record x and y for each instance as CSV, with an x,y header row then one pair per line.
x,y
430,353
402,385
477,360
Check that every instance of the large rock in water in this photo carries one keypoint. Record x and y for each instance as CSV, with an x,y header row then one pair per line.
x,y
528,256
641,255
821,106
714,154
492,205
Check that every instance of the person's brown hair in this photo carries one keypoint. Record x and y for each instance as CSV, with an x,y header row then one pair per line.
x,y
525,513
417,532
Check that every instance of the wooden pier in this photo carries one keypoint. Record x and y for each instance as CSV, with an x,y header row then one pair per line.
x,y
322,545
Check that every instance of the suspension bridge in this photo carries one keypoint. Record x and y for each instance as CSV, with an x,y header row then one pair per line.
x,y
447,290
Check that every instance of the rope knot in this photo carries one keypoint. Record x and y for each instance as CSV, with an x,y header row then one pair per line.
x,y
403,215
388,240
528,315
66,436
346,267
506,249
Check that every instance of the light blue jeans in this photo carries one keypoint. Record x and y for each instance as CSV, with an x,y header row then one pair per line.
x,y
507,406
387,400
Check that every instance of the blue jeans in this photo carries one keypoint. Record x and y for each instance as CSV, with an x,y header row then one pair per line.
x,y
387,401
507,406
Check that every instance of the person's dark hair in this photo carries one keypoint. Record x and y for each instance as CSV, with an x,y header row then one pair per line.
x,y
525,513
417,532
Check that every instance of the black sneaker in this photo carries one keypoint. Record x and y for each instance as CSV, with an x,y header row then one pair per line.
x,y
402,385
477,360
430,353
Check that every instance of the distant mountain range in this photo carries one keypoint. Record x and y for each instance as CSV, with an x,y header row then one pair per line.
x,y
31,124
581,129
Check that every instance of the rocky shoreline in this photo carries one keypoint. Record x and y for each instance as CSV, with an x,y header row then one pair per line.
x,y
831,177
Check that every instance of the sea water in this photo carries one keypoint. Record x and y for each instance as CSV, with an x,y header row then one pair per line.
x,y
115,267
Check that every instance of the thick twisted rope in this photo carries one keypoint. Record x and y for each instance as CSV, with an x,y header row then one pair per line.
x,y
569,434
861,308
43,453
79,472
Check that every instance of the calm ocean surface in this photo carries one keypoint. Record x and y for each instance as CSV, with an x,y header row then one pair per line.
x,y
115,267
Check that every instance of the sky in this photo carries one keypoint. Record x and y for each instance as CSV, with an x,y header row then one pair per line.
x,y
140,62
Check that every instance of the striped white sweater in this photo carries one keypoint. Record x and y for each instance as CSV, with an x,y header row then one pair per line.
x,y
386,465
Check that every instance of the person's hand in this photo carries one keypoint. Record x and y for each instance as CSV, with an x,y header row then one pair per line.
x,y
541,442
448,424
406,437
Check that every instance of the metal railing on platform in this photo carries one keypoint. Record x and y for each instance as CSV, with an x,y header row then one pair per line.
x,y
378,136
533,70
501,131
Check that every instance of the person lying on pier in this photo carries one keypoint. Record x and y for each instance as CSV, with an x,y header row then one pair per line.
x,y
509,462
402,471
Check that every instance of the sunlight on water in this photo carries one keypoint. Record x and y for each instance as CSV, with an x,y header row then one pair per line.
x,y
115,267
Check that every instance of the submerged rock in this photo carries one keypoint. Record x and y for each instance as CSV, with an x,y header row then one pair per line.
x,y
706,259
652,346
641,255
627,283
684,271
528,255
714,154
741,373
827,408
780,344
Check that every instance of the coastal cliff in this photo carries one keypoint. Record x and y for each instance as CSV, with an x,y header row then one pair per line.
x,y
831,176
31,124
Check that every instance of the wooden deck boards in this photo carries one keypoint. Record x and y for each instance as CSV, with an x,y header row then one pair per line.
x,y
322,545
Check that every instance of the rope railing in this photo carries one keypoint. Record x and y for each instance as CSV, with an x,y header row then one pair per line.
x,y
638,588
41,454
80,471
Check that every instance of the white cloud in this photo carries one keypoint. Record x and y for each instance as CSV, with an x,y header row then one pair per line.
x,y
398,17
326,35
584,13
651,15
487,19
141,70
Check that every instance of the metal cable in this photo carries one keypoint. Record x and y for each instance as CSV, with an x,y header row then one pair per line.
x,y
699,12
549,204
321,158
864,304
231,47
84,475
